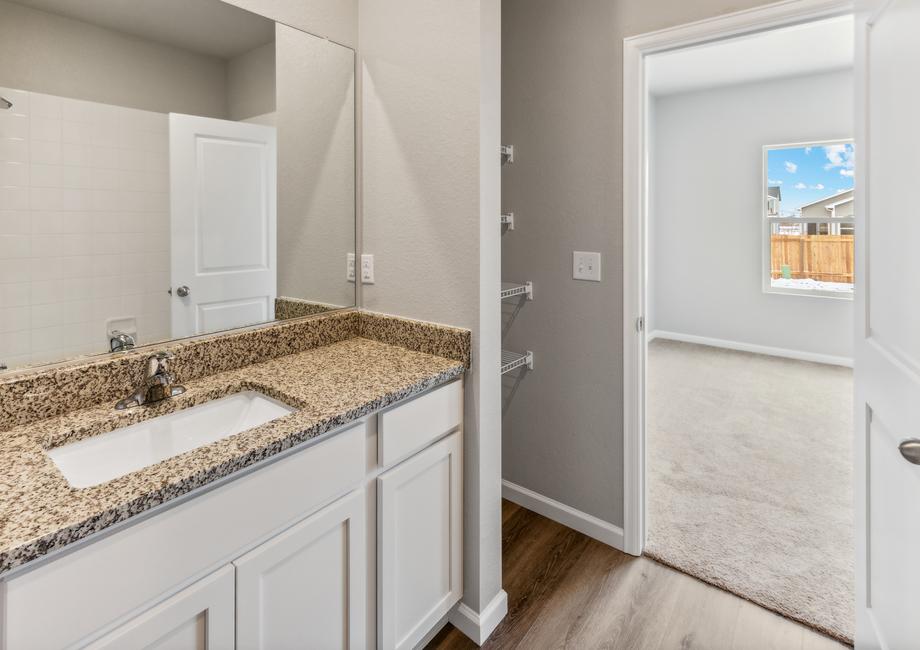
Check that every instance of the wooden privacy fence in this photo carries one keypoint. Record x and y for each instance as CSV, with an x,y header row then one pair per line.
x,y
828,258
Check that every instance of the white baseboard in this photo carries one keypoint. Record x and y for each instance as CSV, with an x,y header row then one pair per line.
x,y
567,516
751,347
478,627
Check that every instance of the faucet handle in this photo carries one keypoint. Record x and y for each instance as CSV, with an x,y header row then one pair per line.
x,y
157,363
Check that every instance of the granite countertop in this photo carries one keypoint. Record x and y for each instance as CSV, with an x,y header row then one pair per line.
x,y
329,385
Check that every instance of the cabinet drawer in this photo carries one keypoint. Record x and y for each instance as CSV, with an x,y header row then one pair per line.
x,y
408,427
87,590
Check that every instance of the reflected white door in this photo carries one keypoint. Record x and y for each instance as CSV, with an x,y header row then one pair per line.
x,y
223,178
887,367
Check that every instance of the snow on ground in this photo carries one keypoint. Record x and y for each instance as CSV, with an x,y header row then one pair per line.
x,y
813,285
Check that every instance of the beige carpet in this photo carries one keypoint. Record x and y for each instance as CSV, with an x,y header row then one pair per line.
x,y
749,478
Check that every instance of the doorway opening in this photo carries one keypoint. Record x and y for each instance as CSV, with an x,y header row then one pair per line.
x,y
749,319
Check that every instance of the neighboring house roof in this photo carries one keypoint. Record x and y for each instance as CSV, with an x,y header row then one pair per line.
x,y
775,191
828,201
834,205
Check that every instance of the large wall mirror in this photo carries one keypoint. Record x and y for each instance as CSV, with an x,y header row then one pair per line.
x,y
168,168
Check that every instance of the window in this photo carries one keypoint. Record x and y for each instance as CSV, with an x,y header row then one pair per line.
x,y
809,218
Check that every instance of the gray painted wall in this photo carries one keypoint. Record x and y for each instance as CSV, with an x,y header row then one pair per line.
x,y
316,167
105,66
251,83
706,186
562,110
336,20
431,119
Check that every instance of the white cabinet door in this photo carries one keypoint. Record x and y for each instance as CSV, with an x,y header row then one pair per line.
x,y
419,549
306,588
199,617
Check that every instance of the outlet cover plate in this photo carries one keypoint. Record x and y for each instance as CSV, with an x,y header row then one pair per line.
x,y
586,266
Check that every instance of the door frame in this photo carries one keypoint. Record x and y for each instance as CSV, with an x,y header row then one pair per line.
x,y
635,216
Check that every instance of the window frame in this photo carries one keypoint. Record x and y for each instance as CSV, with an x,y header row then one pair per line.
x,y
768,221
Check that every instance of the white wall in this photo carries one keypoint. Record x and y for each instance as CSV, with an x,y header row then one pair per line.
x,y
84,225
431,111
705,257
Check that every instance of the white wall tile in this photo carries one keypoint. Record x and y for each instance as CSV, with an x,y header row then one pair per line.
x,y
13,125
14,150
61,290
84,224
14,270
45,152
14,173
61,313
59,198
41,105
14,343
15,294
44,128
19,98
14,319
14,198
13,247
15,222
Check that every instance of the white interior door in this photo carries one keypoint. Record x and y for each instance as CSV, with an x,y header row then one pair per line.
x,y
887,368
223,178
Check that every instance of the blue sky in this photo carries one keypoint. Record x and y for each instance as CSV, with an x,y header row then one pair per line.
x,y
807,174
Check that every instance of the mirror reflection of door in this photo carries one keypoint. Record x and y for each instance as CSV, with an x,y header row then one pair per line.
x,y
94,254
223,221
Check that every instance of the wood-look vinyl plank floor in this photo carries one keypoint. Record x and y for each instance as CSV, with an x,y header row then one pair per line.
x,y
566,590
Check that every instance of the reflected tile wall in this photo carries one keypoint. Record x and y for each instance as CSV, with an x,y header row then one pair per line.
x,y
84,225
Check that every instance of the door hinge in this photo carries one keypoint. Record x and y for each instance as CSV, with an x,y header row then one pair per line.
x,y
640,323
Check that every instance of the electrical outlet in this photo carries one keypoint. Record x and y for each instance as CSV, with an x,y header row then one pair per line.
x,y
586,266
350,267
367,268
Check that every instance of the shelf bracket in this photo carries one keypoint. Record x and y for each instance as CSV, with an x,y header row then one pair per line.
x,y
507,219
511,289
514,360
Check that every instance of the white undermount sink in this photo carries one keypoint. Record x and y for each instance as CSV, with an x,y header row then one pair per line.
x,y
109,455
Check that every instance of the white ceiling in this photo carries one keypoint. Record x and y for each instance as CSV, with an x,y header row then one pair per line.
x,y
810,48
205,26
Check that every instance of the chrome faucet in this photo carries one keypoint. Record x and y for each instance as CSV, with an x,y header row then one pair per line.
x,y
157,384
120,341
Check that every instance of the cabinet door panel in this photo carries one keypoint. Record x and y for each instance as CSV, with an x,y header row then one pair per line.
x,y
306,588
199,617
419,547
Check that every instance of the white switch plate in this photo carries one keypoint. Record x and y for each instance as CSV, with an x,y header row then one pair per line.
x,y
350,267
586,266
367,268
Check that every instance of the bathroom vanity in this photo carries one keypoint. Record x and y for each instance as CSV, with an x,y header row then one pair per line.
x,y
336,525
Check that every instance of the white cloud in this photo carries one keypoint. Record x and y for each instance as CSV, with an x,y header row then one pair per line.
x,y
770,181
819,186
840,155
807,150
800,186
791,167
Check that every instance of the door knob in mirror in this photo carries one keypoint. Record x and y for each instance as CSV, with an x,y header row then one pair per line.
x,y
910,449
